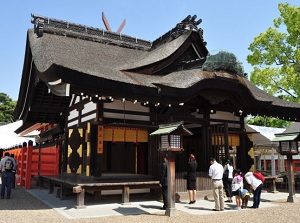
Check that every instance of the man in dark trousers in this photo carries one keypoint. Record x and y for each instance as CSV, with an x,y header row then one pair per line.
x,y
6,166
164,182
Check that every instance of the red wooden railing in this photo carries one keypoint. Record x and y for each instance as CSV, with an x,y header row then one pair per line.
x,y
35,161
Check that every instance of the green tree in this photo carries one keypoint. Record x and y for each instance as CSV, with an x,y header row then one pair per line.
x,y
276,60
268,122
7,107
276,55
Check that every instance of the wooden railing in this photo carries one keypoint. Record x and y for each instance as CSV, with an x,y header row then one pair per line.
x,y
35,161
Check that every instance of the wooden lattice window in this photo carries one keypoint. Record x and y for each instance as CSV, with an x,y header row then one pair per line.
x,y
175,141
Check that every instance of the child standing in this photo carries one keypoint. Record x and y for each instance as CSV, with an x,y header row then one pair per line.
x,y
237,187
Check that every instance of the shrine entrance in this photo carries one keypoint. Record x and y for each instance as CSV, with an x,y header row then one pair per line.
x,y
124,157
224,143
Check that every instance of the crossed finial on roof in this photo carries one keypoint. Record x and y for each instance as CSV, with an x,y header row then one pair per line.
x,y
107,24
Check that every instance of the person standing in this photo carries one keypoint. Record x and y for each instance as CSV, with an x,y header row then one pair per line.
x,y
14,171
227,180
237,187
164,182
6,167
216,174
257,186
191,178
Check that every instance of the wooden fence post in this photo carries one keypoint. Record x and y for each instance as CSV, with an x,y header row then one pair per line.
x,y
56,163
28,165
23,164
19,161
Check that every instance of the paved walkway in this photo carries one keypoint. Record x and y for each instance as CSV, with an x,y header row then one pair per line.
x,y
111,207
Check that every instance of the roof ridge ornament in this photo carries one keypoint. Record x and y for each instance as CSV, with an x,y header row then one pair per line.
x,y
189,23
59,27
107,26
38,24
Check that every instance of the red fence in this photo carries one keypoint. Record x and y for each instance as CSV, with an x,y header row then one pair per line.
x,y
268,163
35,161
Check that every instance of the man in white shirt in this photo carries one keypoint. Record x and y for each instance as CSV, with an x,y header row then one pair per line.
x,y
216,174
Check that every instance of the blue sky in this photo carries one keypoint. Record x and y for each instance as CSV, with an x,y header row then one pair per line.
x,y
228,25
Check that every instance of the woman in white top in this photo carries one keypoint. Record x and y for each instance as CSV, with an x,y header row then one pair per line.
x,y
237,187
227,180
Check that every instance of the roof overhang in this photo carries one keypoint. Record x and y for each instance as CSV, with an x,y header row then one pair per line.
x,y
25,129
286,137
169,128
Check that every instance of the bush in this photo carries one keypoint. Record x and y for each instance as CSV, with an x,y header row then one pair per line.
x,y
224,61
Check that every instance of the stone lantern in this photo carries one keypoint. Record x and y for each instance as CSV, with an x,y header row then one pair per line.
x,y
171,143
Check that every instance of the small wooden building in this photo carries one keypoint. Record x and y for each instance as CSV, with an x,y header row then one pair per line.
x,y
99,94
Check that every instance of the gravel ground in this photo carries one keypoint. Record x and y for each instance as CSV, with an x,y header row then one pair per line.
x,y
23,208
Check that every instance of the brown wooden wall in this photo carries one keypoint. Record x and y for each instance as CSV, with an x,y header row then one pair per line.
x,y
203,182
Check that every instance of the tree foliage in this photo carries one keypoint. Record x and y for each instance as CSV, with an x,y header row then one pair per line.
x,y
276,55
224,61
276,60
7,107
268,122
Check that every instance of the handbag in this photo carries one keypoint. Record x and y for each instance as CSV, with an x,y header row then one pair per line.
x,y
225,174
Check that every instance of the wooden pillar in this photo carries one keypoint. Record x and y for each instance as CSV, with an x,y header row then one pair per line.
x,y
226,143
28,165
88,149
125,195
23,164
273,162
171,210
18,159
57,159
291,197
80,197
98,149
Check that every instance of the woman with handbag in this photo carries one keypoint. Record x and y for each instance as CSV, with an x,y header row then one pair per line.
x,y
191,178
227,180
237,187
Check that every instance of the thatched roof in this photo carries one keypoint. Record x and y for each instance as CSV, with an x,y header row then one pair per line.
x,y
63,57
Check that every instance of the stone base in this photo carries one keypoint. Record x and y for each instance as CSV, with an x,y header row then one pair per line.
x,y
171,212
126,203
292,199
56,192
80,206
